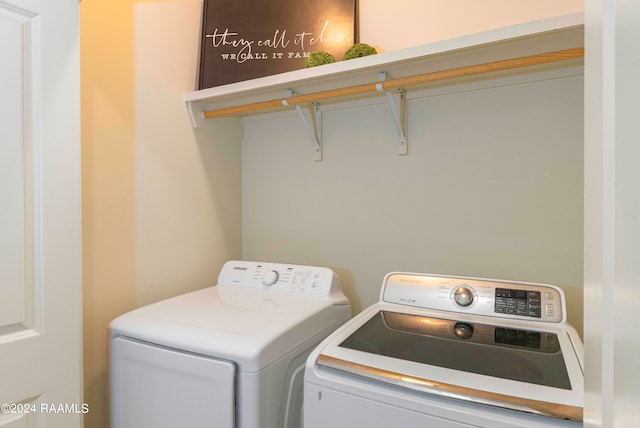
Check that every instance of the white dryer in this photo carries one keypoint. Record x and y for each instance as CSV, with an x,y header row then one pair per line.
x,y
450,352
227,356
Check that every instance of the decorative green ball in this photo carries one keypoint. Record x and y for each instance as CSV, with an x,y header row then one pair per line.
x,y
358,50
319,58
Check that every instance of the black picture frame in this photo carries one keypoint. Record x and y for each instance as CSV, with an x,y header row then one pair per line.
x,y
247,39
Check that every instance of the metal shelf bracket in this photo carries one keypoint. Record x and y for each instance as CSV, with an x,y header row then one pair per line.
x,y
195,117
314,129
399,117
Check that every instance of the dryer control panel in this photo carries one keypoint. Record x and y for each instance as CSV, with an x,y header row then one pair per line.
x,y
477,296
298,279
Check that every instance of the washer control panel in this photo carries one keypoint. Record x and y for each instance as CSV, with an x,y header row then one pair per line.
x,y
308,280
527,303
478,296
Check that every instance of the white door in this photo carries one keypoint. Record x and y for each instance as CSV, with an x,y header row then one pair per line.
x,y
40,215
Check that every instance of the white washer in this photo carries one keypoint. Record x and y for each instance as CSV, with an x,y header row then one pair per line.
x,y
226,356
448,351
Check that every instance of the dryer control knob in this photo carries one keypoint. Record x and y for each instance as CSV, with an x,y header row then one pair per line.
x,y
270,277
463,296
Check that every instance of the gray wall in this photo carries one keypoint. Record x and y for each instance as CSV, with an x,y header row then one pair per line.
x,y
492,187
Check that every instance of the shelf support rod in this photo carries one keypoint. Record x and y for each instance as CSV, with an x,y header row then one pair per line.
x,y
399,117
314,129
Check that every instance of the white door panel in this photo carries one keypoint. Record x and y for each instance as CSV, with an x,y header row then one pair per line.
x,y
40,215
12,170
15,421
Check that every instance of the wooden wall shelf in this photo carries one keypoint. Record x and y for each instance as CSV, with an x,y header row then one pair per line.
x,y
554,42
399,83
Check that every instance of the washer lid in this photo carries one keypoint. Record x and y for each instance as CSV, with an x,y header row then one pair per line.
x,y
250,327
530,367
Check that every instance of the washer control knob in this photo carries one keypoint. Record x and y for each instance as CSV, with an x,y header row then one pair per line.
x,y
270,277
463,296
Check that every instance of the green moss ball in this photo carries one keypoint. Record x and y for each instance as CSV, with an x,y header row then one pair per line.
x,y
319,58
358,50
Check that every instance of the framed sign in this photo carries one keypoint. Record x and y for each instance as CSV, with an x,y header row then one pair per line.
x,y
246,39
